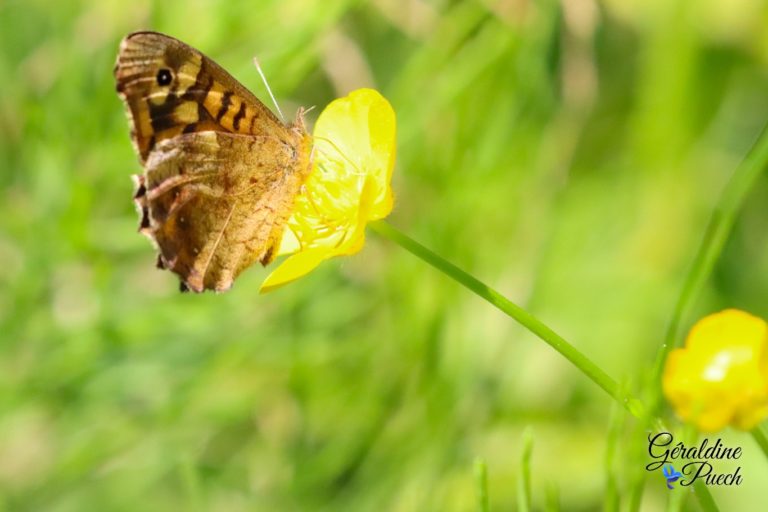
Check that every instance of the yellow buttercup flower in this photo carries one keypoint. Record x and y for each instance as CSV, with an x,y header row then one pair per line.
x,y
721,376
354,154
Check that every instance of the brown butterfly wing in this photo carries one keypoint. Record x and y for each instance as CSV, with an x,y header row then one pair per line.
x,y
221,171
216,202
170,88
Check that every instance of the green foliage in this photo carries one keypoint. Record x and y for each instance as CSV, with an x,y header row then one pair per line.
x,y
567,153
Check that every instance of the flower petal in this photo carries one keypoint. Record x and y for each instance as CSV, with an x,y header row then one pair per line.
x,y
360,130
350,184
292,268
721,376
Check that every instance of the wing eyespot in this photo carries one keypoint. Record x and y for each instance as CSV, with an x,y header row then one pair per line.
x,y
164,77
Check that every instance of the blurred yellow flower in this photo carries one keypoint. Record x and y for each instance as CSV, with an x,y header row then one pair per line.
x,y
721,376
354,154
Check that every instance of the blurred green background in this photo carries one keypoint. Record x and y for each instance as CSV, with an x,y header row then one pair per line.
x,y
567,152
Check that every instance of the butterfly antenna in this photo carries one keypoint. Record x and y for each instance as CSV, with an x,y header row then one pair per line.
x,y
269,89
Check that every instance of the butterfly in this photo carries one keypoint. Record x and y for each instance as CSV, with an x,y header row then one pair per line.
x,y
221,171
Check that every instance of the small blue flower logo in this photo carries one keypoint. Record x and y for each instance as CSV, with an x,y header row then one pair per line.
x,y
671,475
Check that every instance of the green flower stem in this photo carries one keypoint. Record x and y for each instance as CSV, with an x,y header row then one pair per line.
x,y
678,501
720,225
758,434
706,501
527,320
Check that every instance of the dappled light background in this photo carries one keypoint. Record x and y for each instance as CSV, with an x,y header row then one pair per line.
x,y
568,153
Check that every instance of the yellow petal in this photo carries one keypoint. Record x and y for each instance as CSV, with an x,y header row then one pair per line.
x,y
350,184
720,377
292,268
359,131
355,238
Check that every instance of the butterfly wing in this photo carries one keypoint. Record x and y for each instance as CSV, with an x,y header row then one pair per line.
x,y
215,202
221,171
169,88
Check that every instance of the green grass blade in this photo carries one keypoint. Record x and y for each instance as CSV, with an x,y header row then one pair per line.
x,y
524,482
481,482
